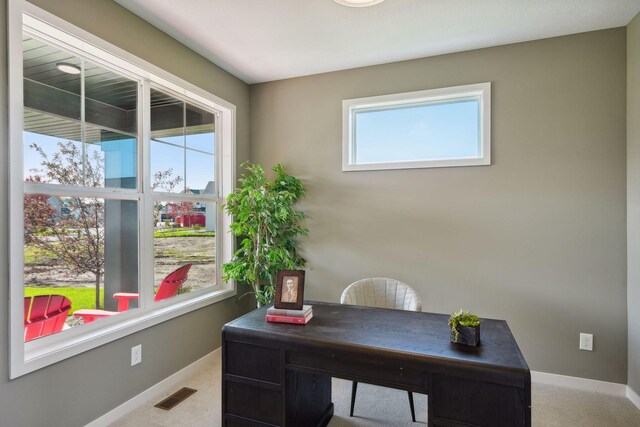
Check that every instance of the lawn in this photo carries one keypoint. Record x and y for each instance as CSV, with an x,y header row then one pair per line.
x,y
183,232
80,297
36,256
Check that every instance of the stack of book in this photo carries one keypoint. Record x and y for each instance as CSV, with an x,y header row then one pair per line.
x,y
299,317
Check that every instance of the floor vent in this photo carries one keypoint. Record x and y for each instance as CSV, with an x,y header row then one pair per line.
x,y
175,398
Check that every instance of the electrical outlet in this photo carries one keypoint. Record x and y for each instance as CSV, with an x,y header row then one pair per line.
x,y
586,342
136,354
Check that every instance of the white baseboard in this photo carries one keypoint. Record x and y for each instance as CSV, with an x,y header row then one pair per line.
x,y
162,387
633,397
586,384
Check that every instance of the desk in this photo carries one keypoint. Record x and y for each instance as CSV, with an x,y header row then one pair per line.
x,y
280,375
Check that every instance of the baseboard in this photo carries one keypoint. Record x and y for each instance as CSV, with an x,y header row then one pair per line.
x,y
586,384
174,380
633,397
163,386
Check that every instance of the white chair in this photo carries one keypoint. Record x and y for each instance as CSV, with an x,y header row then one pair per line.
x,y
384,293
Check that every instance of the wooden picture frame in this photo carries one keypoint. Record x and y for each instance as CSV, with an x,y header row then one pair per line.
x,y
290,289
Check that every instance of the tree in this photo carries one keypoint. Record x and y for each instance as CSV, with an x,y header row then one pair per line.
x,y
267,224
71,228
165,182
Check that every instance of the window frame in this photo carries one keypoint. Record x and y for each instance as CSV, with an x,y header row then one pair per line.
x,y
350,107
33,355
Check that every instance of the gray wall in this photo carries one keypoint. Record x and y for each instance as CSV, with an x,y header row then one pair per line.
x,y
78,390
633,200
538,238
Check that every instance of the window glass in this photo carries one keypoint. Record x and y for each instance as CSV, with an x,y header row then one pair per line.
x,y
200,129
167,167
82,249
423,129
442,130
200,172
184,235
80,224
80,124
182,146
80,120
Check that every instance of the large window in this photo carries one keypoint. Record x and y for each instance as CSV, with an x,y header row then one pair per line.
x,y
118,173
431,128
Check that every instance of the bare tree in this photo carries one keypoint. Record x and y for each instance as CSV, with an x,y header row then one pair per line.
x,y
71,228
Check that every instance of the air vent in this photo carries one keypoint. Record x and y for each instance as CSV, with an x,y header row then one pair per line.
x,y
175,398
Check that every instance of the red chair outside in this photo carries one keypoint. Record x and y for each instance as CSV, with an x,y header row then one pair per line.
x,y
167,289
44,315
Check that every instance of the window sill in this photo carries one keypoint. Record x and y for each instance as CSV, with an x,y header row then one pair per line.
x,y
54,348
423,164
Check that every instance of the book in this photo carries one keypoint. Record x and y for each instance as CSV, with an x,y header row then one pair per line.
x,y
306,309
289,319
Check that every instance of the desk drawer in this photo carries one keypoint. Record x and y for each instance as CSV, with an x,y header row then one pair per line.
x,y
253,361
255,403
362,367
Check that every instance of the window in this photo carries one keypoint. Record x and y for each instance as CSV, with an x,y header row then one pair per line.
x,y
117,177
424,129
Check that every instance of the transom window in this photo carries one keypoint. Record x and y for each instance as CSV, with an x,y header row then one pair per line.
x,y
119,171
431,128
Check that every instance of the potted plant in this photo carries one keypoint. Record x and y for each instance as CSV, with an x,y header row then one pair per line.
x,y
266,225
465,328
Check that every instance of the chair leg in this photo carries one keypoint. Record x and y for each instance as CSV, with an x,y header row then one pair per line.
x,y
413,410
354,387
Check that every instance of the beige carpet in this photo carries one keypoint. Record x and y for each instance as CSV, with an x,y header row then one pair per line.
x,y
377,406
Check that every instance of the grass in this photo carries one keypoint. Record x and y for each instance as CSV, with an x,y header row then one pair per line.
x,y
183,232
36,256
80,297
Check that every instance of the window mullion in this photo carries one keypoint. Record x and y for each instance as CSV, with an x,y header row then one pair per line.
x,y
146,219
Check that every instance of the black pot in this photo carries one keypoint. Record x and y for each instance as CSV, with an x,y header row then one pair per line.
x,y
467,335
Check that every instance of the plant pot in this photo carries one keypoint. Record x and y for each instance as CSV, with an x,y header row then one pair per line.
x,y
467,335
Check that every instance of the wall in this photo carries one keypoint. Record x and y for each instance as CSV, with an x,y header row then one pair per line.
x,y
78,390
538,238
633,201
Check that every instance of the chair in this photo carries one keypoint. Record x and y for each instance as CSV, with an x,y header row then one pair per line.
x,y
167,289
383,293
44,315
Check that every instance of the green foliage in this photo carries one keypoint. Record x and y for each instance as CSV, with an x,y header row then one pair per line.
x,y
183,232
266,225
80,297
462,318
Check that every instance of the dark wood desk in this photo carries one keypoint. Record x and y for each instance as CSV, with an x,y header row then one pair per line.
x,y
280,375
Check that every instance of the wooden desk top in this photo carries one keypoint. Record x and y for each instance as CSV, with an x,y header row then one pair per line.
x,y
420,336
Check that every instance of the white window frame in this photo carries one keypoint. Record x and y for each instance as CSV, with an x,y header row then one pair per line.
x,y
33,355
350,107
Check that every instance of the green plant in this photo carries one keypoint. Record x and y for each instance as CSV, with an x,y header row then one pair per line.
x,y
462,318
266,225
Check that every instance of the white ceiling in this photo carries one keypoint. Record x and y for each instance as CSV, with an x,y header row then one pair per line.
x,y
263,40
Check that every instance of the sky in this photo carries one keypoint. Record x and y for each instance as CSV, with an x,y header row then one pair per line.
x,y
424,132
199,167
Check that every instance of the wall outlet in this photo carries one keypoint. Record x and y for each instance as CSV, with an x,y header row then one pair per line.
x,y
136,354
586,342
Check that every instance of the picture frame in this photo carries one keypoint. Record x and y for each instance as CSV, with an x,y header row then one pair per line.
x,y
290,289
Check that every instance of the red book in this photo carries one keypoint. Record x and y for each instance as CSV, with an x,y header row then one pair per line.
x,y
289,319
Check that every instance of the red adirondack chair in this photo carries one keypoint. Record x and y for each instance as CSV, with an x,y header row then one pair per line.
x,y
167,289
44,315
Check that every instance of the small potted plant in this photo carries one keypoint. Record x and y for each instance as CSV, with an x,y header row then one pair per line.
x,y
465,328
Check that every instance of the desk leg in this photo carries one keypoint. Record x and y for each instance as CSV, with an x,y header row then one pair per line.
x,y
307,399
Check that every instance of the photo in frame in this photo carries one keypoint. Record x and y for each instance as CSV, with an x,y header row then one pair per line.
x,y
290,289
